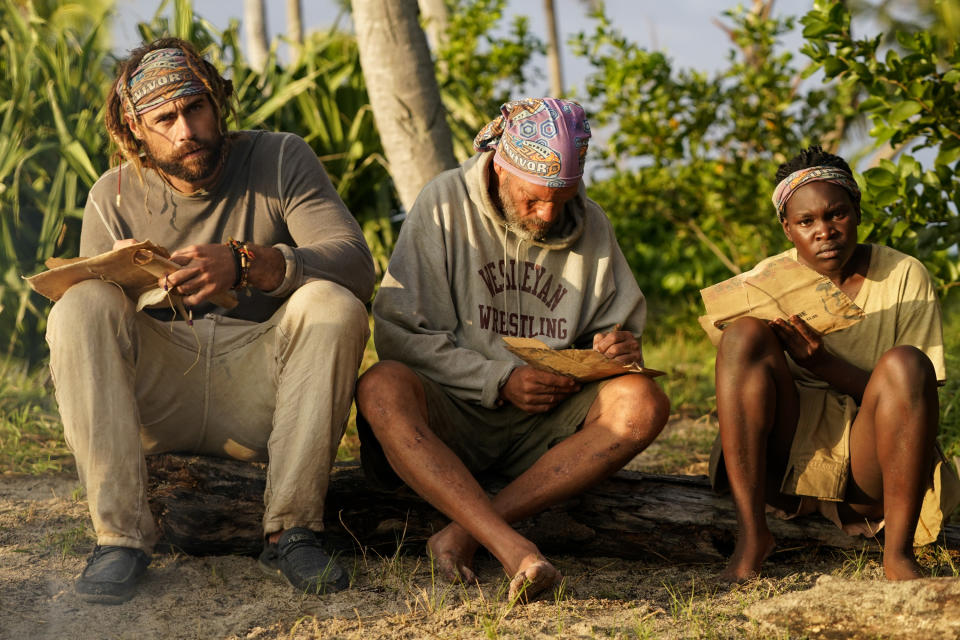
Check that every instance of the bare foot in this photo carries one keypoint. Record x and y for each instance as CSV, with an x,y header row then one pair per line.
x,y
899,566
453,555
747,557
535,575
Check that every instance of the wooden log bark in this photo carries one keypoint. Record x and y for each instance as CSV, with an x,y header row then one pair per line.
x,y
209,506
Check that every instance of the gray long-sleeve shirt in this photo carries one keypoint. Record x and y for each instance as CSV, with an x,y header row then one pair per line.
x,y
272,191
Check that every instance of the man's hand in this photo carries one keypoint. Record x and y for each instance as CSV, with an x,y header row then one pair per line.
x,y
618,345
801,341
536,391
207,269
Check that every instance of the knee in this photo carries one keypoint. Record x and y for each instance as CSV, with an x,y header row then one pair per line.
x,y
327,307
747,337
904,368
383,388
333,300
639,408
383,379
88,306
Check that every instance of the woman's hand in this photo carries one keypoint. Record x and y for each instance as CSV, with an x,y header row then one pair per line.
x,y
801,341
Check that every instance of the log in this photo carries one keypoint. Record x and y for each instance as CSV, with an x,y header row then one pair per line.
x,y
211,506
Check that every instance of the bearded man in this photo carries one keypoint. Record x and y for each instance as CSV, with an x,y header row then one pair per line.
x,y
272,379
505,245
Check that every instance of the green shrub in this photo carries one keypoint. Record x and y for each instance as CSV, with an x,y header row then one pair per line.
x,y
950,392
53,75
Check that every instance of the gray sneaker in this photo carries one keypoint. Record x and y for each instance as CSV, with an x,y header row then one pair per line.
x,y
299,559
111,574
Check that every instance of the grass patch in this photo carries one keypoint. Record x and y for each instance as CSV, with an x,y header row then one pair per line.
x,y
74,541
688,359
683,447
860,564
950,393
31,436
940,561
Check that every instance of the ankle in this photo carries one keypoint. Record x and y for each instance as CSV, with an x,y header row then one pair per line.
x,y
900,566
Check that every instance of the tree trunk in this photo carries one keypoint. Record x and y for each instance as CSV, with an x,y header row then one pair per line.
x,y
403,93
436,22
295,28
553,50
255,29
212,506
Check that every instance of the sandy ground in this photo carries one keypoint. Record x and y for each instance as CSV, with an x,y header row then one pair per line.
x,y
45,536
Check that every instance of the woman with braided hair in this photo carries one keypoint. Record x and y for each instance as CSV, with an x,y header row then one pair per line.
x,y
845,423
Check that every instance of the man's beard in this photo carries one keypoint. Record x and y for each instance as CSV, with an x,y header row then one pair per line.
x,y
196,169
536,228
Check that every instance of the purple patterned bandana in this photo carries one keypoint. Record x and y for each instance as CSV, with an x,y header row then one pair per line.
x,y
162,75
789,185
541,140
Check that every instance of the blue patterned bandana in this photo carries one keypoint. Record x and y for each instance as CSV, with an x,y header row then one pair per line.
x,y
162,75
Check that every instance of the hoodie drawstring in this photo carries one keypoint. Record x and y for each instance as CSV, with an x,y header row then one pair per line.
x,y
516,286
506,266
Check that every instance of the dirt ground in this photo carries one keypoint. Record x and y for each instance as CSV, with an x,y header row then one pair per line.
x,y
45,536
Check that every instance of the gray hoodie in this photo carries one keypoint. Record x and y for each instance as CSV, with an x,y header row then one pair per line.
x,y
461,277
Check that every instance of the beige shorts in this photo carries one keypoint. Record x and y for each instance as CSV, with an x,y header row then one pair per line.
x,y
505,441
819,467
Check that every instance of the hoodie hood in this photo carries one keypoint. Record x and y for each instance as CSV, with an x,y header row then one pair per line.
x,y
563,235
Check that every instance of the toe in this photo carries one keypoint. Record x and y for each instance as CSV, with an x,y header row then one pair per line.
x,y
535,579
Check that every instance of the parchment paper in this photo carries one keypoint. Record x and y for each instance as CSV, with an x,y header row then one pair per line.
x,y
583,365
136,268
781,288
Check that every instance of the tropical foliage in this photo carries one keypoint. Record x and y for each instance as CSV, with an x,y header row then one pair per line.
x,y
691,157
912,97
478,70
690,161
53,74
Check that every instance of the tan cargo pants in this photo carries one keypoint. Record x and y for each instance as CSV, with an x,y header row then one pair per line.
x,y
130,385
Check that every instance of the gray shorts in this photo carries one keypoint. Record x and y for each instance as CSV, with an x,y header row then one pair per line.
x,y
505,441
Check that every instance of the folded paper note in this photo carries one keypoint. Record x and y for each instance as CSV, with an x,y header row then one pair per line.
x,y
136,268
778,288
583,365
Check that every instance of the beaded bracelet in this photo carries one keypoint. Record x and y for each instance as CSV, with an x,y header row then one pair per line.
x,y
242,259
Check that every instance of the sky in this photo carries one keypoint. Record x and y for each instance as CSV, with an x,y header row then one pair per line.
x,y
683,29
